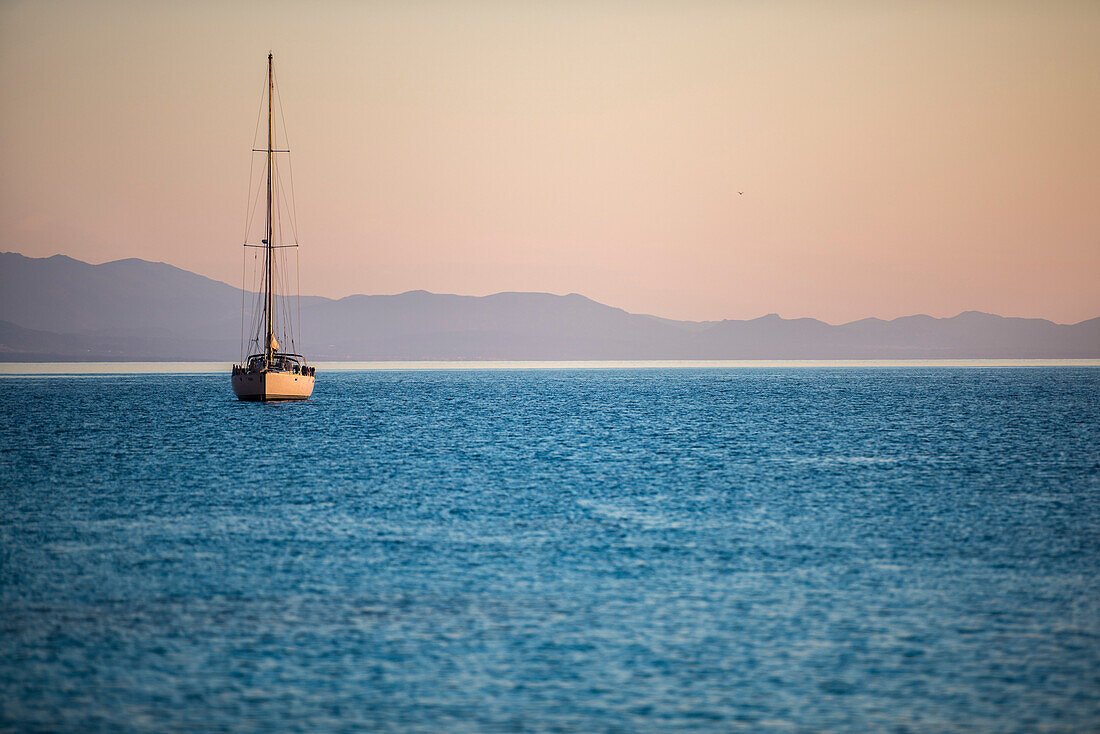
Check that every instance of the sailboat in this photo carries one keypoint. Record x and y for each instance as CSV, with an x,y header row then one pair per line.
x,y
269,373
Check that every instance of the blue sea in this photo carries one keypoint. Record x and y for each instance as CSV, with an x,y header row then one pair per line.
x,y
554,550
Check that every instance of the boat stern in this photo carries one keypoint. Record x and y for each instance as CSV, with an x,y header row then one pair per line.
x,y
265,386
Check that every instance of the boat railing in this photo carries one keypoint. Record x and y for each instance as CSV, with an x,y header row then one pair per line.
x,y
289,362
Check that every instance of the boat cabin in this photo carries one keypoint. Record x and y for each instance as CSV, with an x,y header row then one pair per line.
x,y
292,363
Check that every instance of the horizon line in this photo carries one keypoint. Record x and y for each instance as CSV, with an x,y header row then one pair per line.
x,y
97,368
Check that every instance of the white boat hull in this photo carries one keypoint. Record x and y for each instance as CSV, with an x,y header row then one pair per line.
x,y
264,386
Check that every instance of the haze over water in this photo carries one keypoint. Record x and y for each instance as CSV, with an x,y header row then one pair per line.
x,y
707,549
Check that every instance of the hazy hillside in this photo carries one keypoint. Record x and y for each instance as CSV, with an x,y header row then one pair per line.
x,y
61,308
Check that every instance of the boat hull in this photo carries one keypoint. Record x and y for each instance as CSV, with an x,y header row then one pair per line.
x,y
267,386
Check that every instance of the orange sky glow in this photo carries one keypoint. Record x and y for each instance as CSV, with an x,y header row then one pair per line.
x,y
895,158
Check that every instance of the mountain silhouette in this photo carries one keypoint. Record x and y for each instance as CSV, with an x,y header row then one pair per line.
x,y
59,308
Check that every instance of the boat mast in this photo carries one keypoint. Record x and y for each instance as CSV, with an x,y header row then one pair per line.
x,y
269,283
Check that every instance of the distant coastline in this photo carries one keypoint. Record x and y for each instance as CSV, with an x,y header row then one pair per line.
x,y
59,309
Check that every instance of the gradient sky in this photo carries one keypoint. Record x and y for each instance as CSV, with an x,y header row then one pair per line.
x,y
895,158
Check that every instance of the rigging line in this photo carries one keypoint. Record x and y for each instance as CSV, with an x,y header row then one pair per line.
x,y
253,324
275,104
284,284
254,202
286,205
280,196
249,212
285,276
252,158
261,185
293,208
276,236
258,298
251,307
298,296
293,199
287,308
261,299
274,315
259,112
248,197
244,295
274,283
258,302
281,281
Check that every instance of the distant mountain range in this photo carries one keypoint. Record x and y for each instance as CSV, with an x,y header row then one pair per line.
x,y
58,308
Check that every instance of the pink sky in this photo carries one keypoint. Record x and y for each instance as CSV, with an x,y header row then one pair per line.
x,y
895,158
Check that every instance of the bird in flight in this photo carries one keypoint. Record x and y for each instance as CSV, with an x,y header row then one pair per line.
x,y
740,193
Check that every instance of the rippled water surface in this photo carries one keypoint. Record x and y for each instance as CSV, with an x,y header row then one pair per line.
x,y
554,550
